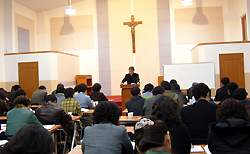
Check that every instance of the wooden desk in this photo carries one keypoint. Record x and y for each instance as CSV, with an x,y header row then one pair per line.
x,y
91,111
74,118
126,119
76,150
3,118
54,128
33,107
130,129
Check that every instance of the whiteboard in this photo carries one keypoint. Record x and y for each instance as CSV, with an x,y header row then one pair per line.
x,y
186,74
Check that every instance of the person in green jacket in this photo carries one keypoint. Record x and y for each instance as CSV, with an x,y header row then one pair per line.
x,y
152,136
20,116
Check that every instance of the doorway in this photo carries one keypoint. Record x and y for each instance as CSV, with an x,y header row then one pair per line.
x,y
28,77
232,66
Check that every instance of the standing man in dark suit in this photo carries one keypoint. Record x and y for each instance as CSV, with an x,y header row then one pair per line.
x,y
131,77
222,93
198,116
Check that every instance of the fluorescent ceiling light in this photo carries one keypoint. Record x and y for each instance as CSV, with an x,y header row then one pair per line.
x,y
70,10
187,2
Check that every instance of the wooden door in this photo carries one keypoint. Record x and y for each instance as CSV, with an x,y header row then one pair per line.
x,y
232,66
28,77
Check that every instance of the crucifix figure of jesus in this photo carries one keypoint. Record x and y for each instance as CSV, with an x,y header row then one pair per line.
x,y
132,25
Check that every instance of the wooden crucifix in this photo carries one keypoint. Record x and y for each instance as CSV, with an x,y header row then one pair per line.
x,y
132,25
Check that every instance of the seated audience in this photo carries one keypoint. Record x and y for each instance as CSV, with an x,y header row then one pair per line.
x,y
157,92
167,86
231,133
39,95
152,136
198,116
82,98
173,81
210,99
60,94
4,103
222,93
240,94
147,91
50,113
189,91
69,104
76,90
136,103
96,95
20,116
166,110
30,139
176,89
232,86
20,92
105,136
12,95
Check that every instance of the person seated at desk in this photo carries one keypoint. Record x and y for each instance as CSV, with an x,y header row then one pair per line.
x,y
147,91
20,116
82,98
176,89
231,133
51,114
136,103
166,110
131,77
30,139
167,86
232,86
222,93
59,94
198,116
96,95
157,92
39,95
12,95
69,104
105,136
152,136
4,103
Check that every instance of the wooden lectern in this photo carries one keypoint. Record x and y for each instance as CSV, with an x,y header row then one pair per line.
x,y
126,94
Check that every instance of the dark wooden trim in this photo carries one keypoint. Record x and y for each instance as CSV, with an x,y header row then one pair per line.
x,y
35,52
243,19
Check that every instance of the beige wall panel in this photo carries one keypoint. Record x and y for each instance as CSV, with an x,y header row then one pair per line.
x,y
72,33
9,85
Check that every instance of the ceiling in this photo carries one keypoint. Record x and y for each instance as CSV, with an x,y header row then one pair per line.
x,y
40,5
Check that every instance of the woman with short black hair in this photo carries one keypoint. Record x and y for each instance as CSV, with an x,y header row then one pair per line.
x,y
105,136
231,133
152,136
30,139
96,95
166,110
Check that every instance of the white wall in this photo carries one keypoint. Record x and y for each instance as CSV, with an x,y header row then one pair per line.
x,y
2,77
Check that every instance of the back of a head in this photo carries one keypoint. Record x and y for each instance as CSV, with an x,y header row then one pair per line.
x,y
240,94
60,88
173,81
194,84
225,81
166,85
176,87
200,90
232,86
16,87
150,133
231,108
82,87
135,91
42,88
97,87
69,93
22,100
148,87
3,94
158,90
30,139
20,92
166,109
106,112
50,98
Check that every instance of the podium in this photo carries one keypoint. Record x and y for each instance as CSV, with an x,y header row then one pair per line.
x,y
126,94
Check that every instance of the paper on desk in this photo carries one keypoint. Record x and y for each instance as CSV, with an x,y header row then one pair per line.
x,y
84,110
2,142
197,149
48,127
3,128
207,150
